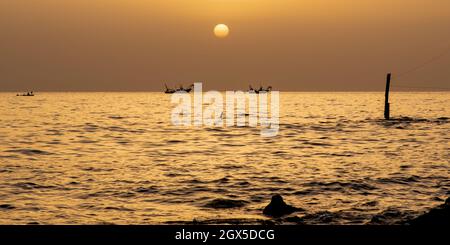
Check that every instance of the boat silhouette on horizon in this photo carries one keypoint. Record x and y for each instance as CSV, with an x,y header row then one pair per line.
x,y
26,94
180,89
260,90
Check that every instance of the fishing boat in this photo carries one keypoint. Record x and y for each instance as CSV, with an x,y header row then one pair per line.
x,y
180,89
169,90
260,90
189,89
26,94
265,90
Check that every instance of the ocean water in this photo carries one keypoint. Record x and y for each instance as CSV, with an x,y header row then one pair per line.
x,y
100,158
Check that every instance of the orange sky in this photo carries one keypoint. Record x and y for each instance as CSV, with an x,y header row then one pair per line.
x,y
305,45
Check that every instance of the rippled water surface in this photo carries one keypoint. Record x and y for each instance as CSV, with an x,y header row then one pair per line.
x,y
90,158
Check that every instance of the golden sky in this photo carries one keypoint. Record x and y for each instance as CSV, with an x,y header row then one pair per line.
x,y
123,45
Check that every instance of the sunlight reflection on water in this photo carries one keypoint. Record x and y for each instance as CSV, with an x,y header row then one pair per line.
x,y
87,158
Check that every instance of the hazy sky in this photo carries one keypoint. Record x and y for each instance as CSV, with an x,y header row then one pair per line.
x,y
137,45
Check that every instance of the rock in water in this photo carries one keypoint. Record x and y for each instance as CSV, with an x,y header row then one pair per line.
x,y
277,207
436,216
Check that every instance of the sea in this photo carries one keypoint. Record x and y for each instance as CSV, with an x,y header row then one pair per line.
x,y
117,158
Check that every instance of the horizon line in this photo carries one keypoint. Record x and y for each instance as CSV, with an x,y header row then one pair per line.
x,y
161,91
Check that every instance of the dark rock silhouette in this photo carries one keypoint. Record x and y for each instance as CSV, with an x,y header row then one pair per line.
x,y
225,203
390,216
294,219
436,216
277,207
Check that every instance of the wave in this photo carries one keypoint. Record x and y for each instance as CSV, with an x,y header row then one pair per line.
x,y
31,185
30,152
220,203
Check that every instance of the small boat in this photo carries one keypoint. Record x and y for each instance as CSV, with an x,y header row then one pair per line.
x,y
180,89
189,89
260,90
266,90
27,94
251,89
169,90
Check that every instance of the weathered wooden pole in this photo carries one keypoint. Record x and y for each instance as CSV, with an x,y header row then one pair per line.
x,y
386,97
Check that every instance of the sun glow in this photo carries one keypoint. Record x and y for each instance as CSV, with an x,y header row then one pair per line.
x,y
221,31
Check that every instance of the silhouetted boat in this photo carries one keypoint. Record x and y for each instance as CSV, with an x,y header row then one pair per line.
x,y
172,91
260,90
27,94
189,89
169,90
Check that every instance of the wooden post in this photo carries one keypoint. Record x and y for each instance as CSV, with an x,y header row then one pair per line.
x,y
386,98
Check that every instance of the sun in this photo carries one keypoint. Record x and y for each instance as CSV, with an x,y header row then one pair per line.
x,y
221,31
